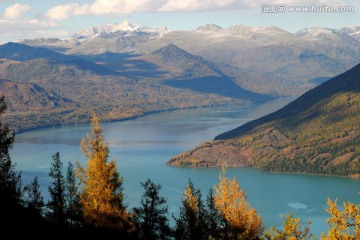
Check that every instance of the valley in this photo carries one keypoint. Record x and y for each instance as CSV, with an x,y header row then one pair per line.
x,y
122,71
174,120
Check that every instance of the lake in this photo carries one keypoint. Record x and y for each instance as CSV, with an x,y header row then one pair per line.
x,y
141,147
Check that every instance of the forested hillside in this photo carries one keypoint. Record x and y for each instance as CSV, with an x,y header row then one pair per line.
x,y
74,87
317,133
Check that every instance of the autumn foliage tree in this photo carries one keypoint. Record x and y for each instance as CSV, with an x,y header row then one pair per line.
x,y
102,194
292,229
343,224
239,220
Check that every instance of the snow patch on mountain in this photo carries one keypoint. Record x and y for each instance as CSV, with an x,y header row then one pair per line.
x,y
108,30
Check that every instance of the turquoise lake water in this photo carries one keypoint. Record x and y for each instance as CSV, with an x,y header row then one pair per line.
x,y
141,147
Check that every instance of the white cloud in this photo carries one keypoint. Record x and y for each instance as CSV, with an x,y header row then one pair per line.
x,y
206,5
310,2
16,11
116,7
100,7
103,7
32,24
29,28
62,12
174,5
214,5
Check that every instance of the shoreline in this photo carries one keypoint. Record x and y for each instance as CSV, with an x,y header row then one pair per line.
x,y
273,172
86,122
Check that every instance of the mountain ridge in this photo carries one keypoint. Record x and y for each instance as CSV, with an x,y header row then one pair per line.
x,y
93,88
327,88
25,96
258,50
202,75
317,133
111,28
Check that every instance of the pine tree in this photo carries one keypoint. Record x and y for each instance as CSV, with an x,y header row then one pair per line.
x,y
73,210
213,218
151,219
239,220
191,223
10,181
57,205
102,194
33,198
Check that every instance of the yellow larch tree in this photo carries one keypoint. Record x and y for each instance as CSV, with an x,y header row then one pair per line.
x,y
293,229
343,224
102,193
239,220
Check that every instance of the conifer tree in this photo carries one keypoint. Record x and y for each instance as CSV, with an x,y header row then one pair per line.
x,y
73,210
239,220
33,198
151,219
10,181
57,203
191,223
102,194
213,218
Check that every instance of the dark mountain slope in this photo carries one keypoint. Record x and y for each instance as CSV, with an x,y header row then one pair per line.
x,y
42,69
22,52
192,66
186,71
317,133
113,96
26,97
344,83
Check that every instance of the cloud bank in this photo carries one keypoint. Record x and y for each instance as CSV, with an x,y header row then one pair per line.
x,y
116,7
21,19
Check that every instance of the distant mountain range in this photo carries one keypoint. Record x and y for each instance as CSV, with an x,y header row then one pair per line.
x,y
259,57
47,88
317,133
124,28
112,37
124,70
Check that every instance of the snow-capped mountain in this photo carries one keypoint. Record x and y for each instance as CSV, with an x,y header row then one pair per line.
x,y
349,33
323,52
209,27
316,31
353,31
350,29
111,29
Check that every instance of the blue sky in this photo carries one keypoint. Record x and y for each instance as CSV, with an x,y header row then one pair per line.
x,y
54,18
